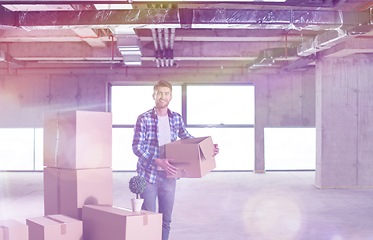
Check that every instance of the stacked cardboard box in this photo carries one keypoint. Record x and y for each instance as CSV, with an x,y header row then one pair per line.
x,y
55,227
77,160
78,184
108,222
13,230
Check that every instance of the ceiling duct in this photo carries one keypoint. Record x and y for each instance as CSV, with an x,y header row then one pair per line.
x,y
268,57
128,44
307,48
6,57
329,39
333,37
315,20
299,3
300,63
2,56
295,3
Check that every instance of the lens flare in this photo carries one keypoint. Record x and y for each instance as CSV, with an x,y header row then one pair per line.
x,y
273,214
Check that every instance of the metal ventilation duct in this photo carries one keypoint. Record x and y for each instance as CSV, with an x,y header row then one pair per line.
x,y
331,38
268,57
299,3
186,18
128,44
300,63
6,57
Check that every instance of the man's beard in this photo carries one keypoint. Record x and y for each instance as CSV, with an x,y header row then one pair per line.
x,y
162,104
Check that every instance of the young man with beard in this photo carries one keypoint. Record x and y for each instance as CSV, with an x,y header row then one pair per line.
x,y
155,128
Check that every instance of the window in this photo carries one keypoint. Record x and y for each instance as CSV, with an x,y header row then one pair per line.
x,y
223,105
224,112
17,149
290,148
123,157
128,102
39,154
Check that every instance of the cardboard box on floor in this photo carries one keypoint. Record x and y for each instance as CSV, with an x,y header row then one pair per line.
x,y
78,139
67,190
13,230
109,222
55,227
193,157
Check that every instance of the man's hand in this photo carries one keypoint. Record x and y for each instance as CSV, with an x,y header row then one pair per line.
x,y
216,150
165,164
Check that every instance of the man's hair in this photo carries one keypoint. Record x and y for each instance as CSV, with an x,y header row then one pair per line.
x,y
162,83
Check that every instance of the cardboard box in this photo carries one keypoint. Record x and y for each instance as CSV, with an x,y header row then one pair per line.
x,y
55,227
193,157
114,223
67,190
78,139
13,230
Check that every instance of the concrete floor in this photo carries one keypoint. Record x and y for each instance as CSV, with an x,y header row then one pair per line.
x,y
224,206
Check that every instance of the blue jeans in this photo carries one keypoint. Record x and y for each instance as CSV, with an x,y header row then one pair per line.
x,y
164,189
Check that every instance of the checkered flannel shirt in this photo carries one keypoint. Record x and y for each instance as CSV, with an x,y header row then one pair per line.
x,y
145,143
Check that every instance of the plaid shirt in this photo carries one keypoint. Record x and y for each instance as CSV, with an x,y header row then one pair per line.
x,y
145,142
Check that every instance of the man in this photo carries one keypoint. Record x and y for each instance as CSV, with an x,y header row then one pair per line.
x,y
153,130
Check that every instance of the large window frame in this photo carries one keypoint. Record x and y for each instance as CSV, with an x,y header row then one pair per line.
x,y
184,111
31,148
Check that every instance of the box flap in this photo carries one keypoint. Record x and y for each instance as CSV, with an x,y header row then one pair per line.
x,y
206,148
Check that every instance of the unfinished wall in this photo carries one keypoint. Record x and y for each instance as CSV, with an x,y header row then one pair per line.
x,y
282,100
25,97
25,94
344,122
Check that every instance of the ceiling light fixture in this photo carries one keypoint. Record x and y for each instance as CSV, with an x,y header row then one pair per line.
x,y
113,6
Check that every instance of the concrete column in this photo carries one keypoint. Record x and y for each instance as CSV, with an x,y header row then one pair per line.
x,y
344,122
261,118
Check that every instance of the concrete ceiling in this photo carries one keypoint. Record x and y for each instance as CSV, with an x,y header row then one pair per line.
x,y
252,36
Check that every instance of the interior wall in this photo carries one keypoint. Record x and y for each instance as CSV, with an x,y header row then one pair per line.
x,y
282,100
286,99
25,97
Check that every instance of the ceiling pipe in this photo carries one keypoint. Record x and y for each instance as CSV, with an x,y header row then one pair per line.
x,y
154,35
166,39
172,40
166,44
163,45
161,49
